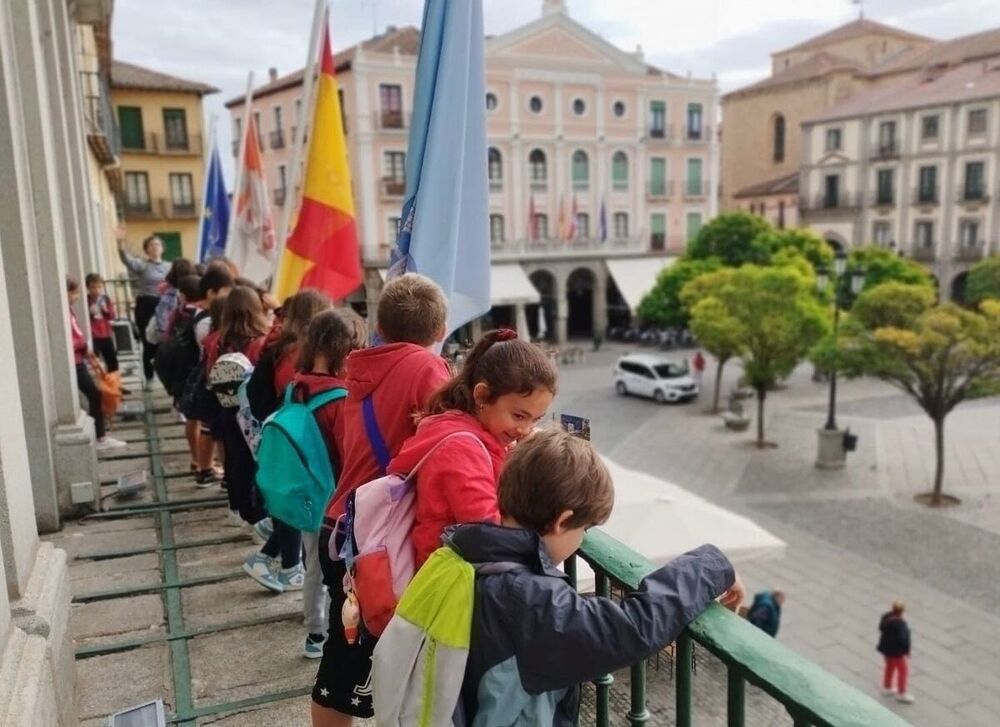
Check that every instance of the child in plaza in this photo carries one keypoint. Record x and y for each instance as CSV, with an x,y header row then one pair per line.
x,y
532,640
394,382
102,313
894,645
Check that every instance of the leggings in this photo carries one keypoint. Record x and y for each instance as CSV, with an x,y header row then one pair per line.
x,y
105,348
145,308
88,389
896,665
284,541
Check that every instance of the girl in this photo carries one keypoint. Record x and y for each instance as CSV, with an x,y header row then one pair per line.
x,y
894,645
170,298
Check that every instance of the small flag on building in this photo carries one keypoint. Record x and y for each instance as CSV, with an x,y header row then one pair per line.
x,y
252,242
215,216
573,230
563,229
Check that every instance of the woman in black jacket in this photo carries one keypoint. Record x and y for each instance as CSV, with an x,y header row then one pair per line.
x,y
894,645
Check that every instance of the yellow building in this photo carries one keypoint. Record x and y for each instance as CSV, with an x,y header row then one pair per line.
x,y
160,126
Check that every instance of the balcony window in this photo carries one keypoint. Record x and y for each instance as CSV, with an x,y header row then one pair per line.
x,y
582,226
833,139
393,229
657,119
694,119
391,105
924,230
258,130
496,229
491,101
282,177
619,172
541,227
977,122
658,231
182,193
885,195
781,214
175,129
968,233
495,169
880,234
137,191
693,183
621,225
927,189
930,127
237,132
658,177
831,191
538,169
779,139
974,188
277,118
394,166
130,124
581,170
693,225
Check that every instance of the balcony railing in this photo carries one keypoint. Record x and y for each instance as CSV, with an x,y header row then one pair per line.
x,y
810,695
664,131
658,241
138,210
697,134
925,197
972,194
830,203
102,131
883,198
187,145
496,185
692,189
885,149
660,190
923,252
388,120
550,248
278,195
278,139
538,185
393,187
969,252
172,210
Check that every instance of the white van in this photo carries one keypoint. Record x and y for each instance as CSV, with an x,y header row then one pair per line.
x,y
657,378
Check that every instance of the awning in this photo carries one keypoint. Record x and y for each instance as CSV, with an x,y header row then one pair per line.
x,y
636,276
509,285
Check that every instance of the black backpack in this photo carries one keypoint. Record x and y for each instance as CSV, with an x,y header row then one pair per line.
x,y
176,356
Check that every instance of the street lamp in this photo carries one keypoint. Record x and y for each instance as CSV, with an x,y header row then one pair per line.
x,y
856,283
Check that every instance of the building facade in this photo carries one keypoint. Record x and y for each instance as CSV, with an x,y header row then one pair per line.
x,y
601,167
162,141
911,166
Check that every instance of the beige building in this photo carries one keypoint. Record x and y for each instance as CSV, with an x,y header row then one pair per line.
x,y
912,165
161,137
575,125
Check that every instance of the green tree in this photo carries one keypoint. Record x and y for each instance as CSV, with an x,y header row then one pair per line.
x,y
718,332
662,305
799,239
937,353
731,238
776,316
884,266
983,282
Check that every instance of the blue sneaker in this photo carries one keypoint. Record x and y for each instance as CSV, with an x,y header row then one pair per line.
x,y
314,646
258,567
292,579
262,530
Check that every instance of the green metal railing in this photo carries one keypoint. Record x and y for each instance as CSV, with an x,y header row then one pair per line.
x,y
810,695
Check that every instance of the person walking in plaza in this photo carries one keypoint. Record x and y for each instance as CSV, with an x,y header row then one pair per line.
x,y
149,273
698,364
765,611
894,645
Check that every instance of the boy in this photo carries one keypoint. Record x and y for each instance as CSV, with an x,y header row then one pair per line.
x,y
393,382
102,313
532,639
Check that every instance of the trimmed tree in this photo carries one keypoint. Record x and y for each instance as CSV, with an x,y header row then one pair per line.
x,y
939,354
731,238
801,240
662,305
983,282
718,332
884,266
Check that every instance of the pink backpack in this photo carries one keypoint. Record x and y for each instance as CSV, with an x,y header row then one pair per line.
x,y
375,535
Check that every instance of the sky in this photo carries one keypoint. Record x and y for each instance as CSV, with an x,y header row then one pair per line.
x,y
219,41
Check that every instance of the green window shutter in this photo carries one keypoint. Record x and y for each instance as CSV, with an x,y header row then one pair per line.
x,y
581,170
693,224
619,171
657,176
658,223
172,248
694,176
130,125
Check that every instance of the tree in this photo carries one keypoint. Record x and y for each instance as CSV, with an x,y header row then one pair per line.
x,y
984,281
884,266
731,238
718,332
662,305
801,240
937,353
777,318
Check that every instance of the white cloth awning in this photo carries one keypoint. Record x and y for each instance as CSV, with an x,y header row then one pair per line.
x,y
636,276
509,285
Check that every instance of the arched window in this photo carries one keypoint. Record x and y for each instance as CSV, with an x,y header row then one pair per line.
x,y
619,172
538,169
495,167
779,139
581,170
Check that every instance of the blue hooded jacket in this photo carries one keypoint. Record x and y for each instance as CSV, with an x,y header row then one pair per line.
x,y
765,613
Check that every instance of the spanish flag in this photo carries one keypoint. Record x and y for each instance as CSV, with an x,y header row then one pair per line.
x,y
322,251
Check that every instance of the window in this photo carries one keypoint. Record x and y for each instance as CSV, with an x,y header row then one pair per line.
x,y
182,192
390,98
880,234
831,191
657,119
394,166
393,229
257,128
137,191
495,168
619,172
658,177
579,107
130,124
927,189
496,228
621,225
887,138
694,130
343,109
693,225
929,127
581,170
237,130
884,195
282,177
781,214
538,169
779,139
491,101
833,139
693,184
541,227
175,129
974,189
968,233
535,104
657,231
298,111
925,233
618,109
977,122
582,225
277,118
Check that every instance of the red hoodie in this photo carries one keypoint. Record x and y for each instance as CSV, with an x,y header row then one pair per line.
x,y
401,377
285,369
330,417
457,484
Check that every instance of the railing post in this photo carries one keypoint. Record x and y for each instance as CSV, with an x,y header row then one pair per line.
x,y
604,682
638,714
685,651
736,696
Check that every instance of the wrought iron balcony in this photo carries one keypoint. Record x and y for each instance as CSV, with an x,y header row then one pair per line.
x,y
925,196
693,189
885,149
697,134
660,189
278,139
661,131
173,210
924,253
138,209
496,185
278,195
393,187
972,194
883,198
840,202
392,120
102,131
970,252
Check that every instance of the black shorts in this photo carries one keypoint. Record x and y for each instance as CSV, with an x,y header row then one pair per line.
x,y
343,681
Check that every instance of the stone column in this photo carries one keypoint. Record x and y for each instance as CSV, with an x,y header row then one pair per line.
x,y
601,302
562,309
521,321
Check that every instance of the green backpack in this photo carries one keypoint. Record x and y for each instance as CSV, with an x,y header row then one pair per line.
x,y
294,474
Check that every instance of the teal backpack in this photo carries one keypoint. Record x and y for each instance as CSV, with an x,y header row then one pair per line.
x,y
293,462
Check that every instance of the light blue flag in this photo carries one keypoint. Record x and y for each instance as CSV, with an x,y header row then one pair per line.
x,y
215,222
444,232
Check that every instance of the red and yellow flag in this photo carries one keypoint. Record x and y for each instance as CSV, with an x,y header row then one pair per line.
x,y
322,251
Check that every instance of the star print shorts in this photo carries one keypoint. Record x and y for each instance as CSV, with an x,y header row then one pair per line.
x,y
343,681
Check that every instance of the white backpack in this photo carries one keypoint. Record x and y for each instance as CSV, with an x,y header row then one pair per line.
x,y
226,376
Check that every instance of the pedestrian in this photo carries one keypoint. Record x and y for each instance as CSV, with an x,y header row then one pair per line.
x,y
698,364
765,611
894,645
148,273
102,312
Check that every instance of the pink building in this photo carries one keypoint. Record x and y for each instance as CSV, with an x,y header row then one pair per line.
x,y
575,125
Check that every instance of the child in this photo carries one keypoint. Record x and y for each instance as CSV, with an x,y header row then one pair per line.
x,y
894,645
503,390
180,328
102,313
84,382
533,639
170,299
394,382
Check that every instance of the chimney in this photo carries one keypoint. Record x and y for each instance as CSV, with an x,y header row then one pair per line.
x,y
272,74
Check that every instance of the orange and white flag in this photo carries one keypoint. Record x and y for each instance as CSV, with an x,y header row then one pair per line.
x,y
252,243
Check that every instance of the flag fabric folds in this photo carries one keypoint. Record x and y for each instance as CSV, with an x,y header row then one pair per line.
x,y
251,244
322,250
445,221
215,216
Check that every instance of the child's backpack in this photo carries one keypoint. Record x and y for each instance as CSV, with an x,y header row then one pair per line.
x,y
375,531
225,377
179,353
294,473
250,425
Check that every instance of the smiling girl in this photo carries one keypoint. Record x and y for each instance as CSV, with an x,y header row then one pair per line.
x,y
501,393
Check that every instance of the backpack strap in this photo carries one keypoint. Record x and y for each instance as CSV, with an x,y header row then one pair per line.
x,y
453,435
375,438
325,397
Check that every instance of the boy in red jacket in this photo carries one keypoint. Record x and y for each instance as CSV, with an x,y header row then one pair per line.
x,y
388,386
102,313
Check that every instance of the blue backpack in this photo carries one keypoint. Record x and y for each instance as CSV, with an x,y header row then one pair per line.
x,y
294,474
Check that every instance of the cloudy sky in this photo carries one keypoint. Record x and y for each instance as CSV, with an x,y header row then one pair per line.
x,y
219,41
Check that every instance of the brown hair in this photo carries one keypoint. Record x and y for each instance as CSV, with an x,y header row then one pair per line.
x,y
190,287
332,334
71,284
179,268
898,607
91,278
505,363
148,241
549,473
242,318
411,309
296,314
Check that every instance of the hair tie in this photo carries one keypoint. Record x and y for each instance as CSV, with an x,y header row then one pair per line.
x,y
505,334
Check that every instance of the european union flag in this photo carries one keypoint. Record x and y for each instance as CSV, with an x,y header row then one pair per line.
x,y
215,221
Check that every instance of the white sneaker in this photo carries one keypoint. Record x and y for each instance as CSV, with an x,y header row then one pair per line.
x,y
905,698
233,518
258,567
888,692
105,443
293,578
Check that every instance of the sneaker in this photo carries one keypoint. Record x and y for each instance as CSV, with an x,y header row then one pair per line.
x,y
888,691
233,518
105,443
262,530
206,478
258,567
905,698
314,646
292,579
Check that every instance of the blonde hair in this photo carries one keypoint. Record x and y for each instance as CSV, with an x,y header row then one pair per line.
x,y
412,309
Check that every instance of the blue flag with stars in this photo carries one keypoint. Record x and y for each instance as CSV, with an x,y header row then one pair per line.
x,y
215,222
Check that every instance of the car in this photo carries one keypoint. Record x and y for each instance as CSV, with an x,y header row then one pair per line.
x,y
660,379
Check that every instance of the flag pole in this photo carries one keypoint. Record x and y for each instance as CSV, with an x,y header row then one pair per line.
x,y
301,129
247,104
206,162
